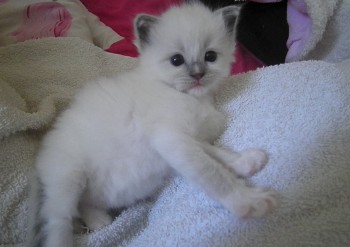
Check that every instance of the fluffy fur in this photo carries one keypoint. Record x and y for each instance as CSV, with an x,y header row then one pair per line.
x,y
121,136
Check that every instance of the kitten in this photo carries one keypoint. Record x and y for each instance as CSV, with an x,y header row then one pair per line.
x,y
121,137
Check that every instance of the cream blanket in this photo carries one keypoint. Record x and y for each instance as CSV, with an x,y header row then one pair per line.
x,y
37,80
298,112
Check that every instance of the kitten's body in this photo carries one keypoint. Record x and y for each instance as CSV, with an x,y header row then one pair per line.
x,y
122,136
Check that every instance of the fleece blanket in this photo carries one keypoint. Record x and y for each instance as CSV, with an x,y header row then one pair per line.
x,y
298,112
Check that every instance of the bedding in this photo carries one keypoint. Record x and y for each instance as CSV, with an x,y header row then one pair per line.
x,y
299,112
107,24
22,20
119,16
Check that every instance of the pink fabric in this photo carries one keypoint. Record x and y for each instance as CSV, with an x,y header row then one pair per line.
x,y
41,20
245,61
119,15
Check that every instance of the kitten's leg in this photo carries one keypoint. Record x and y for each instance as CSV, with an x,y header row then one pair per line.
x,y
95,218
188,157
245,164
62,191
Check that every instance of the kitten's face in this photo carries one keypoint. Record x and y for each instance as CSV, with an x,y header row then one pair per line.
x,y
189,47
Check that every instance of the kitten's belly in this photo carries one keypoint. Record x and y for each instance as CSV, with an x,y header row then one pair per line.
x,y
123,179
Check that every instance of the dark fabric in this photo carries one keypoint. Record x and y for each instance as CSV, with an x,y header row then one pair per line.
x,y
262,28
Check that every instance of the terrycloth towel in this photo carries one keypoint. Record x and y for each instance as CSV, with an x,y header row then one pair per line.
x,y
332,41
298,112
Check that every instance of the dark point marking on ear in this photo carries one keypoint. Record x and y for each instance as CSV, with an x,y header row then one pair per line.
x,y
142,26
230,15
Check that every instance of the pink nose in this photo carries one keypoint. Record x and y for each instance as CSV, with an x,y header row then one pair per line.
x,y
197,76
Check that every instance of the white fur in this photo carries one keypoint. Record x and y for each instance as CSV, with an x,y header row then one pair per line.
x,y
190,31
122,136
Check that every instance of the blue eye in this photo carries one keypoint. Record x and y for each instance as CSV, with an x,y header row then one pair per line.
x,y
210,56
177,60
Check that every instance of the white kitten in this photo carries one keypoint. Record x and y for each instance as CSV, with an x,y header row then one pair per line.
x,y
122,136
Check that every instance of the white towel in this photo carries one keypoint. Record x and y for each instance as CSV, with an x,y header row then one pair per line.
x,y
298,112
330,39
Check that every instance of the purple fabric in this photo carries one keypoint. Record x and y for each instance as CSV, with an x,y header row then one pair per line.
x,y
300,26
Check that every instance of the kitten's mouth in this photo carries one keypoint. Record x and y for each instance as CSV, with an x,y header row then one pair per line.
x,y
197,84
195,87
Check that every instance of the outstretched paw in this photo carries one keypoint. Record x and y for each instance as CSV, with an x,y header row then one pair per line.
x,y
253,202
250,162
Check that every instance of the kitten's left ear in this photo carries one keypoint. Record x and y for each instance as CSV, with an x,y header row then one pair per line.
x,y
142,27
230,15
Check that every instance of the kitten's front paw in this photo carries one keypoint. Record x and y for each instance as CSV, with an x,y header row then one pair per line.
x,y
250,162
252,202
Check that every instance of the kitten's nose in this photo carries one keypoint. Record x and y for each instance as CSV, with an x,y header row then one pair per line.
x,y
197,76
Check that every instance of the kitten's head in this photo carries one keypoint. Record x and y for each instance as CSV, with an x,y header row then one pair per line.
x,y
189,47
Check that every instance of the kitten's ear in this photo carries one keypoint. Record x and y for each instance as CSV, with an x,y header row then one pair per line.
x,y
142,27
230,15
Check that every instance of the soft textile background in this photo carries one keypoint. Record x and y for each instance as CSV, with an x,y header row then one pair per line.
x,y
298,112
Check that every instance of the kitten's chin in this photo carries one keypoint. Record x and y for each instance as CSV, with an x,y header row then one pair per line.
x,y
198,90
201,89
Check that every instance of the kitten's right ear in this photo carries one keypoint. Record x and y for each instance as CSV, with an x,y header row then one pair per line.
x,y
230,15
142,27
